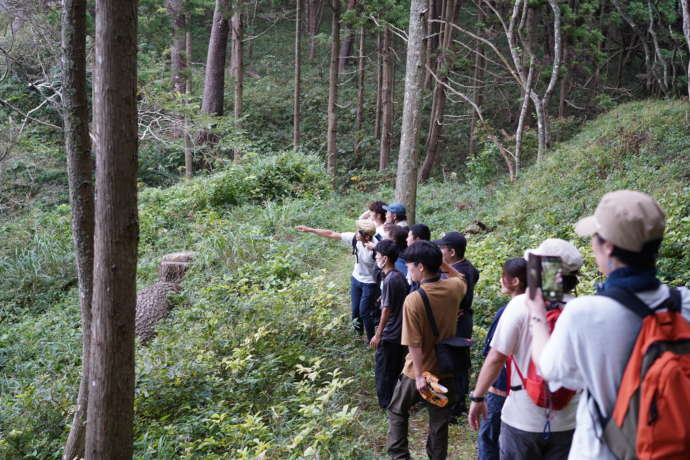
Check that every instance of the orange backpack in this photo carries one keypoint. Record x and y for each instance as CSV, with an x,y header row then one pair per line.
x,y
651,417
537,388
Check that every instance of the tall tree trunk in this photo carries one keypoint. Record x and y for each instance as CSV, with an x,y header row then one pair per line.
x,y
314,17
564,86
81,192
333,88
109,429
178,59
686,31
406,178
347,45
477,94
214,82
439,95
433,30
379,84
521,120
298,77
386,101
359,115
188,154
238,58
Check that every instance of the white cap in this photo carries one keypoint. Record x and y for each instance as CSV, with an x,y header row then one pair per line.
x,y
571,259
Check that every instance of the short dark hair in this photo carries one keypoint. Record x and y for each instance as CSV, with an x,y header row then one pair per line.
x,y
377,208
420,231
399,235
389,249
517,268
425,253
459,244
644,260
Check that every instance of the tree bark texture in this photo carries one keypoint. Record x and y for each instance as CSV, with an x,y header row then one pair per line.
x,y
81,192
406,178
188,153
109,429
386,101
314,17
686,31
333,89
379,84
347,45
298,77
238,59
439,94
178,57
477,94
433,31
214,81
359,114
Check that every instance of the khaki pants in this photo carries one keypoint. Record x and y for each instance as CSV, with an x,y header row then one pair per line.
x,y
404,397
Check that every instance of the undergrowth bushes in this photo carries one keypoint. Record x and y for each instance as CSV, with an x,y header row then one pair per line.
x,y
257,359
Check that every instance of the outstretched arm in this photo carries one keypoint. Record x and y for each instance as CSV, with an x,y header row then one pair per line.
x,y
319,231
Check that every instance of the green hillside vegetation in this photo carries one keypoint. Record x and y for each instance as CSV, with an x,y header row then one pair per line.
x,y
257,359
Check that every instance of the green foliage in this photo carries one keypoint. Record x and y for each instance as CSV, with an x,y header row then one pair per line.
x,y
257,360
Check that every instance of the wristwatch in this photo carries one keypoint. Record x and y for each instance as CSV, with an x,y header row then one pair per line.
x,y
477,399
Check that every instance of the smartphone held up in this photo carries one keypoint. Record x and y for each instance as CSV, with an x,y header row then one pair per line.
x,y
546,273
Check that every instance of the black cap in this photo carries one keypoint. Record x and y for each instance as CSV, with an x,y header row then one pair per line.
x,y
453,240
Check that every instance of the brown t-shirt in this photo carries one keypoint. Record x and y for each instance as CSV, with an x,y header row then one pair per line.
x,y
444,298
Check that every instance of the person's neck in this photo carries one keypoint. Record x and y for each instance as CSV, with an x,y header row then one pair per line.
x,y
430,276
387,268
454,260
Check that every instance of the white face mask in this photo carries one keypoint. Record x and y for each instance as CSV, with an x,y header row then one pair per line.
x,y
381,263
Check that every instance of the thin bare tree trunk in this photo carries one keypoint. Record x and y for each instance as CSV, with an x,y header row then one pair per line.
x,y
214,82
178,59
477,94
359,116
521,120
333,89
298,77
439,94
238,59
564,86
436,10
686,31
188,154
109,429
386,101
406,178
80,173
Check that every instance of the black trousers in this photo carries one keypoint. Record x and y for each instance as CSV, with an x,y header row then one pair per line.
x,y
390,358
516,444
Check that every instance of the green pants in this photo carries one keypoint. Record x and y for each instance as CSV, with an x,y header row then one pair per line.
x,y
404,397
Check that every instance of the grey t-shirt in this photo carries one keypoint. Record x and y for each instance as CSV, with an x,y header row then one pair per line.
x,y
393,295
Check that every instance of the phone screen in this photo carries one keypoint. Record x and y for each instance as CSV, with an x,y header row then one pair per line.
x,y
551,278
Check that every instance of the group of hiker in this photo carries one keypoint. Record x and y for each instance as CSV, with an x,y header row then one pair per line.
x,y
604,376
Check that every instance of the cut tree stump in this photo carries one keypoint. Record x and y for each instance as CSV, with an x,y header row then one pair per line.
x,y
152,301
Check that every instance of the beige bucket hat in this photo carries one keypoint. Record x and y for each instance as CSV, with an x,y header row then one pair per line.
x,y
366,226
626,218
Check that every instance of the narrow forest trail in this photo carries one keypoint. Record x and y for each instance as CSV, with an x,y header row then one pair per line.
x,y
461,438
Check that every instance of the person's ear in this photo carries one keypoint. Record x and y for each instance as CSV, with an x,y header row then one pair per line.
x,y
608,248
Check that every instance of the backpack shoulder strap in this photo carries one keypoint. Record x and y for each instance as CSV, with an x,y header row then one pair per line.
x,y
675,300
429,313
628,299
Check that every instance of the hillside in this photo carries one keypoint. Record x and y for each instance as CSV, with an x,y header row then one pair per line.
x,y
257,358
